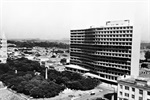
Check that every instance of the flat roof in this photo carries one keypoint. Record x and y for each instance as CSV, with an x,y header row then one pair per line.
x,y
76,67
92,75
95,28
96,76
133,82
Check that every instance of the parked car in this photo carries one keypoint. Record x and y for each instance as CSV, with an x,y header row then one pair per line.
x,y
92,93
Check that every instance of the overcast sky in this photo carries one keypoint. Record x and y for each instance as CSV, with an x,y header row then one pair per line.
x,y
53,19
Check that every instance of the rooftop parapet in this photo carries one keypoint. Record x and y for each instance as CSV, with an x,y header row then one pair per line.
x,y
136,81
118,23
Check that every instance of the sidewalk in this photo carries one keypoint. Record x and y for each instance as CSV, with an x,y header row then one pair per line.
x,y
108,86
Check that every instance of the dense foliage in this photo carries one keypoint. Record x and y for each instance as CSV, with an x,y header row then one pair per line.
x,y
73,80
39,44
26,81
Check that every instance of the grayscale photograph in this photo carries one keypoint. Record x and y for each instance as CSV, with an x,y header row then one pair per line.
x,y
74,49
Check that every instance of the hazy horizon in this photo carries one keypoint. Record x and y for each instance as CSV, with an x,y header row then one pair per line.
x,y
48,19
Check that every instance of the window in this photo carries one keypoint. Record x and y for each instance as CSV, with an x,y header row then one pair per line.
x,y
126,88
125,99
148,93
133,89
120,93
141,92
140,98
133,96
126,94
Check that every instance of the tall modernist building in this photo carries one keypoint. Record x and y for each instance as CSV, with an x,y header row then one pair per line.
x,y
3,48
108,52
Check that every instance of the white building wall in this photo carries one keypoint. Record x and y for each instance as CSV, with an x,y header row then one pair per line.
x,y
3,49
136,94
135,55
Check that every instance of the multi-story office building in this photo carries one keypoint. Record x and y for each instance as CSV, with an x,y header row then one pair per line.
x,y
3,48
130,88
106,51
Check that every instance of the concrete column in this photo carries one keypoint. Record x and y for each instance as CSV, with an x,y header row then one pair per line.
x,y
46,77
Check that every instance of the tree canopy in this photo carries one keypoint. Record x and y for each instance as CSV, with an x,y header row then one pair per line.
x,y
30,44
27,82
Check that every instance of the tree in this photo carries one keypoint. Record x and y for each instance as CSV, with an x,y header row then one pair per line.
x,y
63,61
36,92
4,68
147,55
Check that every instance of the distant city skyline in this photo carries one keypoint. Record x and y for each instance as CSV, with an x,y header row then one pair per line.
x,y
48,19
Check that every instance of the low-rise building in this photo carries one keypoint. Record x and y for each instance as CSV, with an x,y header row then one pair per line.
x,y
133,88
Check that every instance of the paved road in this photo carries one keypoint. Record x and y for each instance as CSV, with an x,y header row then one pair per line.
x,y
98,93
6,94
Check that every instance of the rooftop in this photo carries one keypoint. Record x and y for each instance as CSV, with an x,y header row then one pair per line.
x,y
76,67
116,23
138,82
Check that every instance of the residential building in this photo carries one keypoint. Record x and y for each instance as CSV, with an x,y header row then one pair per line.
x,y
133,88
3,48
107,51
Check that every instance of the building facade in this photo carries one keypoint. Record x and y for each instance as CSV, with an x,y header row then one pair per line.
x,y
106,51
130,88
3,48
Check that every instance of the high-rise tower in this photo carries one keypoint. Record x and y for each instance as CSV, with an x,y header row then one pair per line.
x,y
108,51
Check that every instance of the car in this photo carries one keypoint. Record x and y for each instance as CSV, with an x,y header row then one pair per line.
x,y
71,96
100,90
92,93
100,98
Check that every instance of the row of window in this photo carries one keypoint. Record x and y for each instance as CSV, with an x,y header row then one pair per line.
x,y
122,67
112,72
133,90
105,39
103,43
113,28
106,28
109,54
114,66
104,70
104,32
112,51
113,62
102,35
105,61
118,40
114,31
